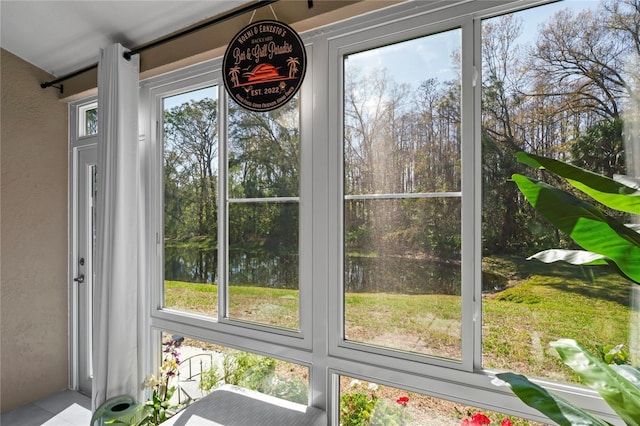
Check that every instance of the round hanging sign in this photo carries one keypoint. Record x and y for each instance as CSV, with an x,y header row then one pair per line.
x,y
264,65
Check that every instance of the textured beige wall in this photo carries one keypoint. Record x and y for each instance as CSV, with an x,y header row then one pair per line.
x,y
33,236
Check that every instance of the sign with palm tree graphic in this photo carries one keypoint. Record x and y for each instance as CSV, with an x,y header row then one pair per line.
x,y
264,65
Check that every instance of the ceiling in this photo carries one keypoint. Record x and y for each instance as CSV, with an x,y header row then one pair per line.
x,y
63,36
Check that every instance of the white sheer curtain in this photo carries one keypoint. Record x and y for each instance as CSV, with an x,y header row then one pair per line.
x,y
116,320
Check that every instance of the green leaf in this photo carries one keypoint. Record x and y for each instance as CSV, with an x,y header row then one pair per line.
x,y
621,395
588,226
556,408
612,193
575,257
630,373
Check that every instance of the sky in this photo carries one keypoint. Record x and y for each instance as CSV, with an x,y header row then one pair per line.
x,y
415,61
195,95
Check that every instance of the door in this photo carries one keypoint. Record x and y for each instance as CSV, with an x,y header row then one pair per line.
x,y
84,229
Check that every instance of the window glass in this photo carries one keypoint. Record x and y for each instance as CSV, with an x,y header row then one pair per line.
x,y
547,90
88,120
190,165
202,367
401,202
263,214
402,182
368,403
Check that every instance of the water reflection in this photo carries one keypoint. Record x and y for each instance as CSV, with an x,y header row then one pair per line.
x,y
402,275
190,264
246,267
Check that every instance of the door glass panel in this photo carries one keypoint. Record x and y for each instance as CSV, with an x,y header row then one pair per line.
x,y
402,207
190,160
85,229
263,186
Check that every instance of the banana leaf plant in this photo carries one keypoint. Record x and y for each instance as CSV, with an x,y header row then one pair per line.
x,y
605,240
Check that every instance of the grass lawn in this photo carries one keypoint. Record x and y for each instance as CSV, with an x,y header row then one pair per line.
x,y
542,303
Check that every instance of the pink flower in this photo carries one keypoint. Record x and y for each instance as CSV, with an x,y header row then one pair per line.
x,y
404,400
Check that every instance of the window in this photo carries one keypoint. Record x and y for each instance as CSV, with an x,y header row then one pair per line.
x,y
527,106
368,229
88,119
402,196
256,192
190,169
194,368
362,401
263,190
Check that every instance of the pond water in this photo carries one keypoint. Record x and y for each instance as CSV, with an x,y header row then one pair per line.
x,y
404,275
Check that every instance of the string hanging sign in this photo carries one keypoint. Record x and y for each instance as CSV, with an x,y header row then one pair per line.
x,y
264,65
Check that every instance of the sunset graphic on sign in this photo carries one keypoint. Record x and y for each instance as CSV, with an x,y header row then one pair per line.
x,y
264,65
264,72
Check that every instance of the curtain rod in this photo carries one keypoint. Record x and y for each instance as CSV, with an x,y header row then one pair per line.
x,y
135,51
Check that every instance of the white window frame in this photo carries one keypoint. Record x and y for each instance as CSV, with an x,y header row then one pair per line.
x,y
319,344
226,331
365,40
78,140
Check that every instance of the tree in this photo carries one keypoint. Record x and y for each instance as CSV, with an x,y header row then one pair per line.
x,y
600,148
191,151
583,58
264,162
503,134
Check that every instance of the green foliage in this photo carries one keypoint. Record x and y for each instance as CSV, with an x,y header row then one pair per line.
x,y
619,385
290,388
264,157
556,408
621,193
91,121
157,407
251,371
363,407
601,148
240,369
622,395
257,373
589,226
611,354
210,379
606,239
356,408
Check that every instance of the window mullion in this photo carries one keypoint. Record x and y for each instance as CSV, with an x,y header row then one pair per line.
x,y
471,281
223,207
475,157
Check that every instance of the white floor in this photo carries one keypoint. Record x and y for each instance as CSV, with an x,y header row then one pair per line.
x,y
67,408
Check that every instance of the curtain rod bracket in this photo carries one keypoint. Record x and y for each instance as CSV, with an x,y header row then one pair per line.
x,y
60,88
